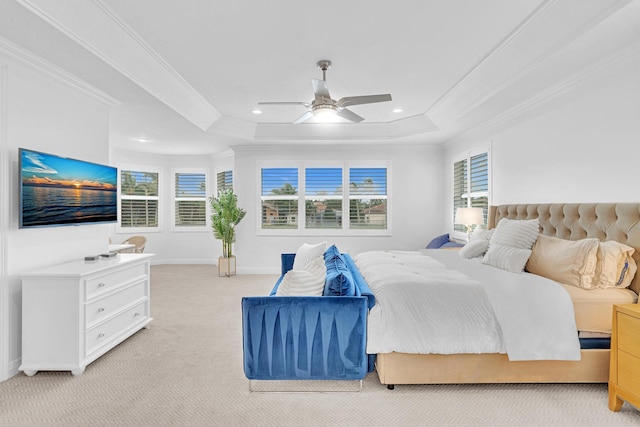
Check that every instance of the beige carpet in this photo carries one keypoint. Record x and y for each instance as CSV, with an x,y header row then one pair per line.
x,y
186,370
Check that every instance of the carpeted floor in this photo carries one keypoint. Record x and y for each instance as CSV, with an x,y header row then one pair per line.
x,y
186,370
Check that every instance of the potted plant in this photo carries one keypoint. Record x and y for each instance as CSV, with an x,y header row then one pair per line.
x,y
225,216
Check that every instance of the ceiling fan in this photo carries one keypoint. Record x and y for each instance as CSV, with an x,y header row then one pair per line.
x,y
323,107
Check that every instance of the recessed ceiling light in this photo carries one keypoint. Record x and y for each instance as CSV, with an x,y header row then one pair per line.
x,y
397,110
256,111
142,140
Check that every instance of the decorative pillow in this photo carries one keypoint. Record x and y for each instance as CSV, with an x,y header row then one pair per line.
x,y
506,258
331,252
519,234
510,244
438,242
481,234
615,266
308,282
339,281
474,248
306,253
572,262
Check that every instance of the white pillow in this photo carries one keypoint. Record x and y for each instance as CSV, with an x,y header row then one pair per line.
x,y
474,248
506,258
519,234
481,234
309,281
307,253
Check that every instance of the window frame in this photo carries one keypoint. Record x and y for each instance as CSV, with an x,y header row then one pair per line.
x,y
302,229
140,169
205,199
467,155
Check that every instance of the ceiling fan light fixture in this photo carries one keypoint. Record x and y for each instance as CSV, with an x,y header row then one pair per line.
x,y
324,113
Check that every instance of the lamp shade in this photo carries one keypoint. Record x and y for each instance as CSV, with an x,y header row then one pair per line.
x,y
469,216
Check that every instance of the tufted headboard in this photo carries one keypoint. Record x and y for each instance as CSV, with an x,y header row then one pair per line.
x,y
575,221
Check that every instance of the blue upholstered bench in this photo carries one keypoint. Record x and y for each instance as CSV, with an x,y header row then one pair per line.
x,y
307,337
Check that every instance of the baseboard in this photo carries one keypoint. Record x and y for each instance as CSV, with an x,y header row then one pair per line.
x,y
12,369
182,261
263,270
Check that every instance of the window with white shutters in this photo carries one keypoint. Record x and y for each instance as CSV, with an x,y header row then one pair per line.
x,y
368,198
323,198
337,199
190,200
471,183
139,200
279,198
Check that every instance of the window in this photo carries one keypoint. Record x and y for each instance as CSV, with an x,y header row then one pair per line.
x,y
138,199
368,198
332,199
190,200
224,180
279,198
323,198
471,183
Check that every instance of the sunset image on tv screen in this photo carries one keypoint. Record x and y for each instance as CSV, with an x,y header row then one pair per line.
x,y
62,191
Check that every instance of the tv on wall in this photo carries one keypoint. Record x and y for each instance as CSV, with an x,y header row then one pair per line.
x,y
57,191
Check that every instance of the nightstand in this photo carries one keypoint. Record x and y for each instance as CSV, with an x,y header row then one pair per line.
x,y
624,373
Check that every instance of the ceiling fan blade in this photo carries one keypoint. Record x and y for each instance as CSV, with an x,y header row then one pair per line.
x,y
303,118
320,88
306,104
349,115
367,99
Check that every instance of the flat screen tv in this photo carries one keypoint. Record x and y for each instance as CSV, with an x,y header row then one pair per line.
x,y
57,191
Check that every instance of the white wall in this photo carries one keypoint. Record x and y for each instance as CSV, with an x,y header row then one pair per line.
x,y
171,246
582,147
41,113
416,186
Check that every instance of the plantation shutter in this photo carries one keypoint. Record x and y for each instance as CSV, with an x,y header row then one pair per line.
x,y
471,185
323,198
368,198
190,199
138,199
224,180
479,183
459,190
279,198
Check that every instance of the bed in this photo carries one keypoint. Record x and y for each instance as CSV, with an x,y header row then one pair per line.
x,y
619,222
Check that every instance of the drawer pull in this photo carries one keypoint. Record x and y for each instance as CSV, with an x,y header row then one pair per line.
x,y
100,310
101,334
136,314
102,285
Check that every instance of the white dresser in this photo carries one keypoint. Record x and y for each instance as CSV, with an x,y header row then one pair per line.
x,y
73,313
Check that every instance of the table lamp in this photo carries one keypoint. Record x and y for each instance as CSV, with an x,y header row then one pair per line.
x,y
469,217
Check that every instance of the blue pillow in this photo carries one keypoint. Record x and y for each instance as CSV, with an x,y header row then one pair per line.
x,y
331,252
339,281
438,241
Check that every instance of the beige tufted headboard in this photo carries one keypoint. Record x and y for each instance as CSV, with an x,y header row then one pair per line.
x,y
575,221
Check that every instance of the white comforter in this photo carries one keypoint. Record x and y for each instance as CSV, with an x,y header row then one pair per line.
x,y
434,301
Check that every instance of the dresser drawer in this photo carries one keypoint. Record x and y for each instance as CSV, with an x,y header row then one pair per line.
x,y
629,334
103,333
107,282
106,306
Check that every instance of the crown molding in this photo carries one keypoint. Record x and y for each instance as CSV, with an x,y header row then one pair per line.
x,y
562,87
97,28
461,99
22,56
